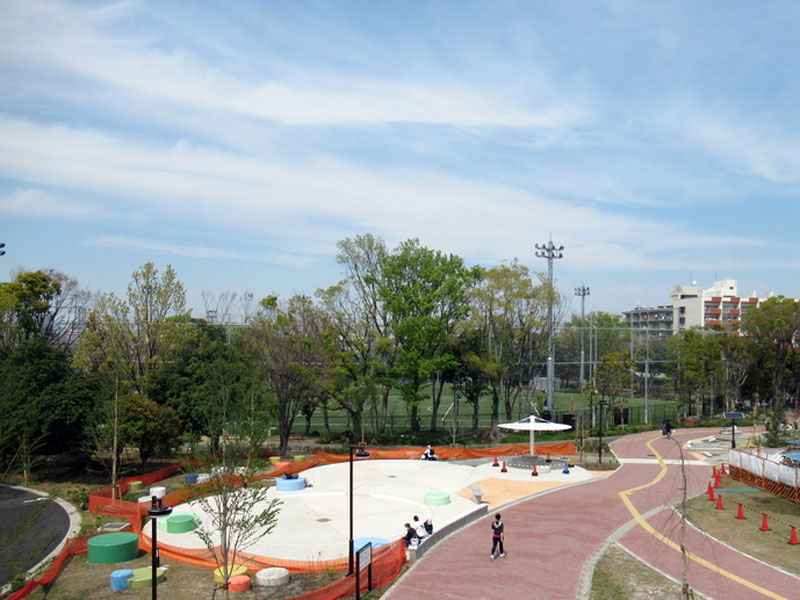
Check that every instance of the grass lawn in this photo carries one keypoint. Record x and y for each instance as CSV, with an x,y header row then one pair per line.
x,y
618,575
769,546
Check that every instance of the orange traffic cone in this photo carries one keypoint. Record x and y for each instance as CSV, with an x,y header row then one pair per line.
x,y
719,503
713,471
722,470
710,492
717,480
764,523
504,470
534,473
793,539
495,463
740,514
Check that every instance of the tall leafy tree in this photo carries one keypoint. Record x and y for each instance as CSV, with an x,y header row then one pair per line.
x,y
290,346
774,326
42,304
697,358
508,310
32,378
360,328
125,342
612,377
425,292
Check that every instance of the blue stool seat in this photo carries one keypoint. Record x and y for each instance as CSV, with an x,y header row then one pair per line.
x,y
119,579
290,485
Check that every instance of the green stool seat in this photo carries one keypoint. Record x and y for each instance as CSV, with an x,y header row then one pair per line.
x,y
143,577
181,523
110,548
437,498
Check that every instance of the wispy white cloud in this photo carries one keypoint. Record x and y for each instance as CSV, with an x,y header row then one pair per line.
x,y
27,202
120,242
78,39
308,203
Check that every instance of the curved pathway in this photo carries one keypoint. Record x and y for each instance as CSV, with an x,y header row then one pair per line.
x,y
553,539
32,528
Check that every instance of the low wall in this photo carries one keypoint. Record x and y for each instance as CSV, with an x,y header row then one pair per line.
x,y
439,534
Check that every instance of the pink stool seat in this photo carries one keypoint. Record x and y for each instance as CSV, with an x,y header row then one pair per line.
x,y
239,583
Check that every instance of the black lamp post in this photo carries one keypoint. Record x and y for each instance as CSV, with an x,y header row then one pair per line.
x,y
156,510
361,452
602,404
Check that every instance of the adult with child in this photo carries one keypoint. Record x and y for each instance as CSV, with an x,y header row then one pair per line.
x,y
429,454
410,536
419,527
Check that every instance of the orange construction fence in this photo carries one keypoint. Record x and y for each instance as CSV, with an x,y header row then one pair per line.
x,y
387,560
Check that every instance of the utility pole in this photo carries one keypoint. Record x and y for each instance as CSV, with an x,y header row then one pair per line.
x,y
550,252
582,291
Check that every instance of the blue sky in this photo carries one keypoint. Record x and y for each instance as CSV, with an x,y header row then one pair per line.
x,y
238,141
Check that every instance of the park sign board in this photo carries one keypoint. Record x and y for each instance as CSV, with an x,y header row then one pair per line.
x,y
733,415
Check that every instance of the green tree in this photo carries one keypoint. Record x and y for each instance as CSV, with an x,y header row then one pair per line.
x,y
43,304
31,376
425,292
149,427
698,359
364,325
774,326
612,377
508,311
124,342
738,355
291,354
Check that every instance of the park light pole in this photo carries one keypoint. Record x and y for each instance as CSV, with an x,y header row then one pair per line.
x,y
551,252
603,404
156,511
582,291
360,451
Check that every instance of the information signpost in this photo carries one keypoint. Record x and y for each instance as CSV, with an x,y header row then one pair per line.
x,y
363,559
733,416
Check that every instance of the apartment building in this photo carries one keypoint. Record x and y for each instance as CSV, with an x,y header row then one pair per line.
x,y
691,306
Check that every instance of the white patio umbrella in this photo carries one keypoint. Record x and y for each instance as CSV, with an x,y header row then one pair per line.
x,y
534,423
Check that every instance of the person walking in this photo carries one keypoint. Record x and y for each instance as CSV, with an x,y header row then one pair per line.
x,y
497,536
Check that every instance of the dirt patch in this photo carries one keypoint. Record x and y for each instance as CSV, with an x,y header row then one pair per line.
x,y
619,576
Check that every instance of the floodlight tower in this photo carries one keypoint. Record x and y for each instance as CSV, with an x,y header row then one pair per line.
x,y
550,252
582,291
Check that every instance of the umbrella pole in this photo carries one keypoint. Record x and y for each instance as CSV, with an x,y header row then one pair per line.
x,y
533,420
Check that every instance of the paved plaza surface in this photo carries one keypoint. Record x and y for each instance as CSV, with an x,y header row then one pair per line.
x,y
554,538
314,522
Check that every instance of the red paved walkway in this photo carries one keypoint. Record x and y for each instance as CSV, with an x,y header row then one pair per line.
x,y
550,537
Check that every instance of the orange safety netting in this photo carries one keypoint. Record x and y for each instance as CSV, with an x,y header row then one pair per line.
x,y
387,560
72,547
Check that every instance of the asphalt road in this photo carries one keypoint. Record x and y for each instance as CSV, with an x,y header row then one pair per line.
x,y
30,528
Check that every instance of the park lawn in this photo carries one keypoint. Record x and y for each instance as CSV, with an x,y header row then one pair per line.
x,y
769,546
620,576
398,412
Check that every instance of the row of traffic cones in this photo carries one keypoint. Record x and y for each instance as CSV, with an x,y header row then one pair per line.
x,y
740,515
534,471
